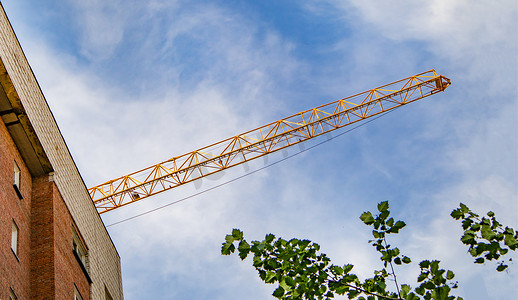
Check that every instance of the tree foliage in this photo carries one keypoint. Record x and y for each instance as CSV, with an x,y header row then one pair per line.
x,y
486,237
301,271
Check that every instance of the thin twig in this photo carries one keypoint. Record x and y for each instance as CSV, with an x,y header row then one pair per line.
x,y
393,272
362,290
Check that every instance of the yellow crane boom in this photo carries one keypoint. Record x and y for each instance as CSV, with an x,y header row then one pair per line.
x,y
264,140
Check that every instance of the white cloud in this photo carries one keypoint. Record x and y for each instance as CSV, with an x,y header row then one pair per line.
x,y
111,132
168,98
475,37
474,43
100,25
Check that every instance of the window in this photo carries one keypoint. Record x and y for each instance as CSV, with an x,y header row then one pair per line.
x,y
80,252
12,295
16,175
80,249
16,182
14,239
77,295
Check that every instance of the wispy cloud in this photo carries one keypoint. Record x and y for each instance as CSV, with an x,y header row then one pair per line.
x,y
145,81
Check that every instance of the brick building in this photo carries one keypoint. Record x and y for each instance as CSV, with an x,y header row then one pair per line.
x,y
53,244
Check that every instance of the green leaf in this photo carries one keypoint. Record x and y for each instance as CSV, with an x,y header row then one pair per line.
x,y
278,293
422,277
244,249
383,206
329,295
450,275
479,260
397,226
353,293
377,224
290,283
258,247
464,208
412,296
420,290
348,268
237,234
376,234
272,264
487,233
269,238
258,262
501,267
339,289
337,270
285,286
262,274
466,223
304,243
229,238
367,218
510,241
479,249
424,264
270,276
457,214
428,285
406,260
227,248
434,266
468,238
383,215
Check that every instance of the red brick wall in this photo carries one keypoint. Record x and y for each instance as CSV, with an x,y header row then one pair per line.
x,y
42,241
55,269
67,268
45,266
14,270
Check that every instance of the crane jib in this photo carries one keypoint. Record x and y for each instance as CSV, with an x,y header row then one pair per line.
x,y
264,140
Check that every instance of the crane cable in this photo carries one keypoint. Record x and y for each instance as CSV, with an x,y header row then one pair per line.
x,y
252,172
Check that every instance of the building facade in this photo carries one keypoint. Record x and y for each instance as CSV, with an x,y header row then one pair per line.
x,y
53,243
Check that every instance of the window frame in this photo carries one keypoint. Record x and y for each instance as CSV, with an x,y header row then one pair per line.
x,y
77,294
14,238
79,248
12,295
17,179
80,252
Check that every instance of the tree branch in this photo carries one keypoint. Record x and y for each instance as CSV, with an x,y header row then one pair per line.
x,y
362,290
393,272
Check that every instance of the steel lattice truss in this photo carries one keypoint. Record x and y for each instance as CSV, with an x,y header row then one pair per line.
x,y
264,140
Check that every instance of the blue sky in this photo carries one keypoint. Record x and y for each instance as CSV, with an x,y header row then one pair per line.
x,y
132,83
